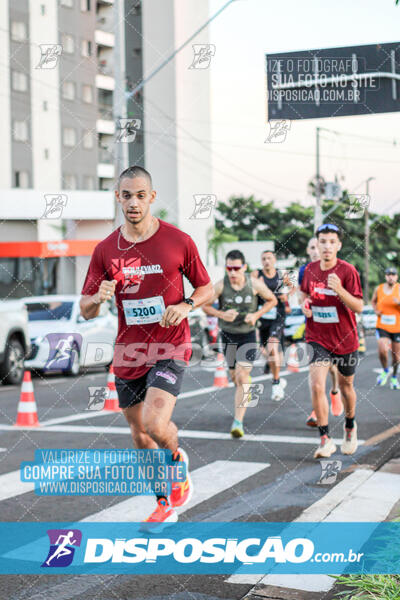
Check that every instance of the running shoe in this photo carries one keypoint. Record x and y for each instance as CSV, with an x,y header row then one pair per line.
x,y
237,429
325,448
382,378
182,491
312,420
278,390
336,404
164,513
394,383
350,442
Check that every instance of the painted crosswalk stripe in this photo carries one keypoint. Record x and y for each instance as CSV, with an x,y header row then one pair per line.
x,y
11,485
359,494
208,481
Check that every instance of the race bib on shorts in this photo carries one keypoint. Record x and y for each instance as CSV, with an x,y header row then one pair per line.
x,y
271,314
388,319
143,311
325,314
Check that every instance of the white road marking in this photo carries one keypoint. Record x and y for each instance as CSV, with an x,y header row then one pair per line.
x,y
11,485
359,494
183,433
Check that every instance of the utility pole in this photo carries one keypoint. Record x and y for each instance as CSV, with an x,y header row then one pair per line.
x,y
318,207
366,244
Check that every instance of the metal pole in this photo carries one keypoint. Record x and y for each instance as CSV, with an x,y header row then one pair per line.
x,y
318,208
119,97
366,245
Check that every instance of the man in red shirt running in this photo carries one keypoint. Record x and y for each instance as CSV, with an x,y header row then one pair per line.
x,y
143,263
332,295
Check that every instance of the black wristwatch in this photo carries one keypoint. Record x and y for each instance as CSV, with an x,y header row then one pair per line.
x,y
189,301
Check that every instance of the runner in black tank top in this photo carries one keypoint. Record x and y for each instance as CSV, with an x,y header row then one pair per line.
x,y
272,323
238,315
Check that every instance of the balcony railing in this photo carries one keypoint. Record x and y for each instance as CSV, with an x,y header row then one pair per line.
x,y
106,156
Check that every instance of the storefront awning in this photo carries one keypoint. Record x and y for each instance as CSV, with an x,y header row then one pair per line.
x,y
48,249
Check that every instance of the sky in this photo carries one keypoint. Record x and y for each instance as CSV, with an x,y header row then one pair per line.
x,y
242,162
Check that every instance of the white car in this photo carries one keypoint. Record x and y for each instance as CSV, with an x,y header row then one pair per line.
x,y
62,340
14,340
369,317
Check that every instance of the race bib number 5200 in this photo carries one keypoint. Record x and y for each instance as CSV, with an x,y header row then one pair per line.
x,y
144,310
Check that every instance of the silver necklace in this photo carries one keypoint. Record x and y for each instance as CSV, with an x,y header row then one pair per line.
x,y
134,243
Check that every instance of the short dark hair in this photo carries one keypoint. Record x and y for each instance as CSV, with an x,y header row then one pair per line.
x,y
266,251
235,255
329,228
135,171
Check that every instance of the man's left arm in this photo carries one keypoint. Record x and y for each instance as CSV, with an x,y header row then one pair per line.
x,y
354,302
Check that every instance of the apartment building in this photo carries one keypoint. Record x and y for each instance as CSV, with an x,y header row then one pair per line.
x,y
67,69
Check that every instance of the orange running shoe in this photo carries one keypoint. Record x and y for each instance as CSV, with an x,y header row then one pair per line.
x,y
182,491
312,420
336,404
164,513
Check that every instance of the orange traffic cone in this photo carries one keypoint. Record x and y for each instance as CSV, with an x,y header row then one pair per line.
x,y
220,377
111,402
27,410
293,361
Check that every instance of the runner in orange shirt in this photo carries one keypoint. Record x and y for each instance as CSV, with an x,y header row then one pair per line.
x,y
386,303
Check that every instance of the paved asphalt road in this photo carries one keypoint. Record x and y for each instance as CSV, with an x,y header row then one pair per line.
x,y
261,479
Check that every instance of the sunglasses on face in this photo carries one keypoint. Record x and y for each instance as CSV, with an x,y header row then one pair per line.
x,y
234,268
327,226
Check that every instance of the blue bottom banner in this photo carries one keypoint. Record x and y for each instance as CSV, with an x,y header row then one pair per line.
x,y
200,548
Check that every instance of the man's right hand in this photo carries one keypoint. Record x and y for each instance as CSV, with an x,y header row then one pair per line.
x,y
106,291
305,307
229,315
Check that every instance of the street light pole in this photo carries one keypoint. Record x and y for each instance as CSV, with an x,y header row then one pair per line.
x,y
318,208
366,243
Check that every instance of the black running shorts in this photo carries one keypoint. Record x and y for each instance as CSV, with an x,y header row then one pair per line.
x,y
382,333
235,350
270,329
346,363
165,375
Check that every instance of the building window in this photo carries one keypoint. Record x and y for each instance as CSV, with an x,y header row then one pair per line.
x,y
87,93
68,90
20,131
67,3
43,9
69,136
67,42
46,154
19,81
70,182
88,182
18,31
85,5
86,48
88,140
21,179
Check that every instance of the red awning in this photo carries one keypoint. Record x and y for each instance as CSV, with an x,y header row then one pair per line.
x,y
48,249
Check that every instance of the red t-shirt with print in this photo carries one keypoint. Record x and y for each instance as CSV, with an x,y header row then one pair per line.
x,y
332,325
149,278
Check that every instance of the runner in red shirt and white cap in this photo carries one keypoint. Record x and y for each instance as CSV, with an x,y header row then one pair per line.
x,y
332,295
143,263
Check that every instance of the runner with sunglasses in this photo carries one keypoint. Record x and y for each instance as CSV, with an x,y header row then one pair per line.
x,y
331,295
386,304
334,395
237,317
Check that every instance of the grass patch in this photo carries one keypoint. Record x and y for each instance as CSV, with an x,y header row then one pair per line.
x,y
370,587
